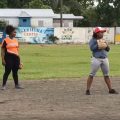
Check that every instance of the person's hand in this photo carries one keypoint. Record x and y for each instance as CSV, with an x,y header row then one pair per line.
x,y
21,66
3,62
101,44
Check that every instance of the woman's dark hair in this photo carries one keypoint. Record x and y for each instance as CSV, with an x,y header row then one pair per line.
x,y
94,35
9,29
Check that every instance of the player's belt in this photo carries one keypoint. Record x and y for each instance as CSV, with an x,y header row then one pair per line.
x,y
101,57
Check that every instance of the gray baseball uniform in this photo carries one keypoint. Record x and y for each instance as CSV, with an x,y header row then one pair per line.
x,y
99,59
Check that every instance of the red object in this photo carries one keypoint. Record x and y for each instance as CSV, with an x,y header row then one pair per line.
x,y
99,29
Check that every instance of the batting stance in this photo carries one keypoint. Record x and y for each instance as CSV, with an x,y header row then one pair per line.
x,y
99,49
10,57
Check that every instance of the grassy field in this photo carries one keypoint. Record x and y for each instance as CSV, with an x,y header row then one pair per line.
x,y
61,61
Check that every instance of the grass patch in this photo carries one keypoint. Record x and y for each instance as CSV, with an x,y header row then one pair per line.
x,y
57,61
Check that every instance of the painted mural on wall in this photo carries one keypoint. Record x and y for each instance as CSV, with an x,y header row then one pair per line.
x,y
2,36
34,35
70,35
65,34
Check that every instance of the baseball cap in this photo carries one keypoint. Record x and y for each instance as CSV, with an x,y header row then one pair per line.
x,y
99,29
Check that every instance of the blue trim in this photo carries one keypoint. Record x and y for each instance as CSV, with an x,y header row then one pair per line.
x,y
24,22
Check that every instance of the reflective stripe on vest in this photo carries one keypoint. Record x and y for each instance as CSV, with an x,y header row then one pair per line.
x,y
11,45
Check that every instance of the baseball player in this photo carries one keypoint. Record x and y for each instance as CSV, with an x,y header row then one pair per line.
x,y
99,48
10,57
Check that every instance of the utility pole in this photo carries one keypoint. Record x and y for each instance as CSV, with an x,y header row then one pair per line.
x,y
61,13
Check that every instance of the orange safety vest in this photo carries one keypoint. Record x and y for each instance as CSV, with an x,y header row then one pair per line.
x,y
11,45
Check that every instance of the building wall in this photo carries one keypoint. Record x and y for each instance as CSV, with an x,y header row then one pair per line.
x,y
11,21
35,22
80,34
41,22
71,35
66,23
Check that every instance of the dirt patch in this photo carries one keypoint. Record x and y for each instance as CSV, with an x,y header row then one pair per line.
x,y
62,99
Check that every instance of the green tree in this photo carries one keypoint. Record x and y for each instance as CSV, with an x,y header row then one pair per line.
x,y
116,6
55,5
52,3
2,25
13,3
104,15
37,4
3,3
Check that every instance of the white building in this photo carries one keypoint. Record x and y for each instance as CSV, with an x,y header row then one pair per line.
x,y
67,20
36,18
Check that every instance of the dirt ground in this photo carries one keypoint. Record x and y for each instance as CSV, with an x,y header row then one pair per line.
x,y
60,99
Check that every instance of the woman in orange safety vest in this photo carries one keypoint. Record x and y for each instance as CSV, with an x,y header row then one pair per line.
x,y
10,57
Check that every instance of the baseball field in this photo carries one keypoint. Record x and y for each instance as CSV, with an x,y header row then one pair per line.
x,y
61,61
54,81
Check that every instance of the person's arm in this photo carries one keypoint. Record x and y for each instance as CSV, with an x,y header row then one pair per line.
x,y
93,45
3,52
20,63
107,48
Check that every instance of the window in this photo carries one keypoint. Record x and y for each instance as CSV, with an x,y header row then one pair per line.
x,y
40,23
24,20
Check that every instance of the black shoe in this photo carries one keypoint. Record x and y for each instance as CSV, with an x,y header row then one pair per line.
x,y
87,92
18,87
113,91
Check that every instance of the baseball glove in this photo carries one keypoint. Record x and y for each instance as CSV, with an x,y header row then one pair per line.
x,y
101,44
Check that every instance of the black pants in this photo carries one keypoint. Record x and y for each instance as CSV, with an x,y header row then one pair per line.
x,y
12,64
